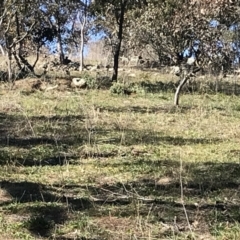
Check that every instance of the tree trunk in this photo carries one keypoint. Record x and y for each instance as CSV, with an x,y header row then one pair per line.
x,y
60,46
82,20
81,49
179,88
17,60
18,49
120,21
2,50
22,62
37,57
60,51
9,63
82,44
116,62
26,64
187,73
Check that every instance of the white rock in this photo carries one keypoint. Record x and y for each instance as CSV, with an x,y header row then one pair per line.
x,y
132,75
175,70
191,61
79,82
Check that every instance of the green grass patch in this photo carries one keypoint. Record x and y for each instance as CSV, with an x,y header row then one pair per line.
x,y
90,164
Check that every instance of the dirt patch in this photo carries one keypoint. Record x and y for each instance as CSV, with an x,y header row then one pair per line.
x,y
117,227
4,196
34,84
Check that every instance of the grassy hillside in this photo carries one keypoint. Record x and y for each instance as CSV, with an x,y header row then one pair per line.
x,y
87,164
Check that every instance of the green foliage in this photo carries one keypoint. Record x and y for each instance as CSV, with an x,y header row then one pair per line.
x,y
90,81
112,163
96,82
119,88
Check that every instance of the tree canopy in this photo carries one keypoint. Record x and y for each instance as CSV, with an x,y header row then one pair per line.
x,y
207,30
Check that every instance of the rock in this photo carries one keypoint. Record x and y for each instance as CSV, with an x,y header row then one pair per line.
x,y
94,68
79,82
39,85
175,70
131,75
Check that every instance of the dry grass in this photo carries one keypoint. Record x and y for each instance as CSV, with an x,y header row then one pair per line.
x,y
92,165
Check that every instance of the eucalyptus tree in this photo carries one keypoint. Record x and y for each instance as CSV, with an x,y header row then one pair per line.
x,y
111,19
172,27
16,24
82,20
65,18
57,13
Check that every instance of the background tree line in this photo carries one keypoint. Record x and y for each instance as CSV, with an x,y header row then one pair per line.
x,y
174,30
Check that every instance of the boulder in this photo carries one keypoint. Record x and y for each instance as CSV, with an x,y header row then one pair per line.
x,y
79,82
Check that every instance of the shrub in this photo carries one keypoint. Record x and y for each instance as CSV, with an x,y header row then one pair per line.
x,y
90,81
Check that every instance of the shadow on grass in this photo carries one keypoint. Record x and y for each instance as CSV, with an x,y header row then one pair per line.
x,y
43,219
208,188
48,207
7,122
170,109
158,86
6,158
203,180
194,86
80,135
133,137
46,151
57,148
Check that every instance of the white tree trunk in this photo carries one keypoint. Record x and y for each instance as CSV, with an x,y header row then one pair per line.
x,y
9,63
81,49
2,50
82,26
60,46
